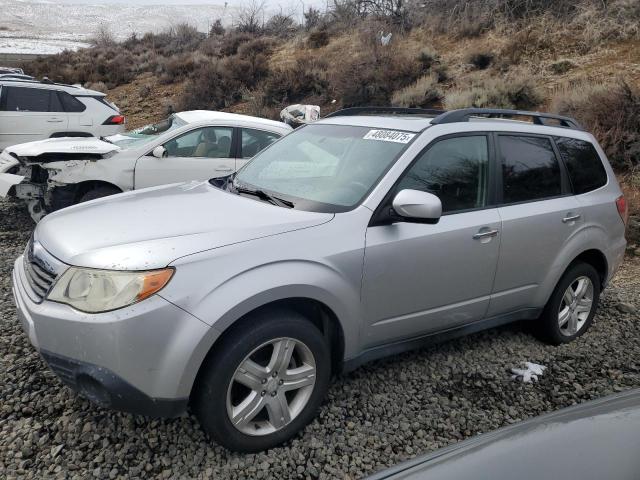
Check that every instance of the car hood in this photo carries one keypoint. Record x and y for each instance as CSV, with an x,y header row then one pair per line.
x,y
63,145
591,441
150,228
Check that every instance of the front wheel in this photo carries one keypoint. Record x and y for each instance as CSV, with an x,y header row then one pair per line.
x,y
98,192
264,383
572,306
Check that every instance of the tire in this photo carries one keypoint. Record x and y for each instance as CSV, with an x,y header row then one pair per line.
x,y
263,422
576,319
98,192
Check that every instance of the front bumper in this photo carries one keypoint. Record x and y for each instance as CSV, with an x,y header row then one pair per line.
x,y
141,359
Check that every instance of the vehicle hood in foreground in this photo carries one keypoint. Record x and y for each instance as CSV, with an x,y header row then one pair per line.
x,y
593,441
63,145
150,228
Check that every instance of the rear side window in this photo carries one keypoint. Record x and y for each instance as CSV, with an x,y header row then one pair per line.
x,y
255,140
530,169
585,168
20,99
70,103
455,170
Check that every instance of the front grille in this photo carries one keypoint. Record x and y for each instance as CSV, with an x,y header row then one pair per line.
x,y
40,278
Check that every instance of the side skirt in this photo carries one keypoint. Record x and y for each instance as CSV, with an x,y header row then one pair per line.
x,y
422,341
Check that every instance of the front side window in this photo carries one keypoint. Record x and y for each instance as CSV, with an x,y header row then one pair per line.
x,y
20,99
209,142
323,167
254,141
455,170
530,169
585,168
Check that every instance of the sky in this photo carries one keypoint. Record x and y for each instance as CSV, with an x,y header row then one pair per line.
x,y
269,3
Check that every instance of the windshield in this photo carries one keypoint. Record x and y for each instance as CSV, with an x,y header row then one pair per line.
x,y
142,135
327,168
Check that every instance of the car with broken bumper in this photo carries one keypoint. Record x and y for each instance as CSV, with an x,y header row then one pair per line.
x,y
196,145
352,238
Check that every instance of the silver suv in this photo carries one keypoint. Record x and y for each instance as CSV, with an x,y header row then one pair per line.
x,y
352,238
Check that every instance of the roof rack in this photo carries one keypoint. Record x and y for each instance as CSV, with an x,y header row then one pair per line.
x,y
44,81
346,112
463,115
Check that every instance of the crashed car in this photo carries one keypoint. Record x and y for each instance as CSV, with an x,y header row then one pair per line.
x,y
195,145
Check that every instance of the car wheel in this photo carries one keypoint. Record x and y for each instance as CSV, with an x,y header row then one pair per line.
x,y
98,192
264,383
572,306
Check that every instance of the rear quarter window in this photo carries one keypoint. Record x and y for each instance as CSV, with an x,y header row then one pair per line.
x,y
70,103
584,165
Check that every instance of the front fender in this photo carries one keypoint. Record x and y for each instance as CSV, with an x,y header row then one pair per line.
x,y
111,170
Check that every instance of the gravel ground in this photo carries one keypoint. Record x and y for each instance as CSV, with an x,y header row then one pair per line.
x,y
377,416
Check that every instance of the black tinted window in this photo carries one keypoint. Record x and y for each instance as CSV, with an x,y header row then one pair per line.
x,y
255,140
19,99
585,168
530,169
455,170
70,103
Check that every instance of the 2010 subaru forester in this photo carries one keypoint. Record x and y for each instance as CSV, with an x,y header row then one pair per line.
x,y
352,238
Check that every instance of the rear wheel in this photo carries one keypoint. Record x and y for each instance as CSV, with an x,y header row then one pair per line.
x,y
264,383
98,192
572,306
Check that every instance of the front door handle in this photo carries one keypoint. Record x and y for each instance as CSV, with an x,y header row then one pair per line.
x,y
571,218
485,234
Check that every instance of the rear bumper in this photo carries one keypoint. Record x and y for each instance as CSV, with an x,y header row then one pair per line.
x,y
141,359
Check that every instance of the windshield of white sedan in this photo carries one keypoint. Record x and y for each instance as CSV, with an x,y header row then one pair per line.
x,y
142,135
324,167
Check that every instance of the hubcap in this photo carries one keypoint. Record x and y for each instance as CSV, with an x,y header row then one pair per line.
x,y
271,386
575,306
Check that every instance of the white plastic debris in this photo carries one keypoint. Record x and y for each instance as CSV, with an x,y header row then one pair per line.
x,y
529,373
296,115
385,39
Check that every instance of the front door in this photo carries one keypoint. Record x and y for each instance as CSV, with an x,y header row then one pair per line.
x,y
421,278
200,154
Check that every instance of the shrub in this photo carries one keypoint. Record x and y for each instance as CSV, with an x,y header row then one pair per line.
x,y
517,92
428,58
425,92
611,113
561,67
306,78
480,60
318,38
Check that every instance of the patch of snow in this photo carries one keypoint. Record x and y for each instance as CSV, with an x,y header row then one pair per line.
x,y
529,373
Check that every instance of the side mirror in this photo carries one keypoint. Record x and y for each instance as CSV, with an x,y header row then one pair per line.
x,y
417,206
159,152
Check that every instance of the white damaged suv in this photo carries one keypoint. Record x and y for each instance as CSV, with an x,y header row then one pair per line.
x,y
195,145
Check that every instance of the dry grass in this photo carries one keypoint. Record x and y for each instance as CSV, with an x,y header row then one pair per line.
x,y
425,92
516,91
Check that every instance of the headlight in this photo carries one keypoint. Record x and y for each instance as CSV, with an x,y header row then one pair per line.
x,y
95,291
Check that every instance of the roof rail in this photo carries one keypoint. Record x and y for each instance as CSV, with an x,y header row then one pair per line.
x,y
463,115
346,112
35,80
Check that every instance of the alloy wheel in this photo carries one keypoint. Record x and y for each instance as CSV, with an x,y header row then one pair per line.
x,y
575,306
271,386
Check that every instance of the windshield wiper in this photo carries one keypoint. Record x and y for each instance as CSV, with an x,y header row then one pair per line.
x,y
261,194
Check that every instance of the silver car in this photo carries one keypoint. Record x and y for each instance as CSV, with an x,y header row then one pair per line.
x,y
353,238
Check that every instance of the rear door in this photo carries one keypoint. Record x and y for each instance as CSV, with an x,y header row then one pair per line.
x,y
539,215
200,154
28,114
253,141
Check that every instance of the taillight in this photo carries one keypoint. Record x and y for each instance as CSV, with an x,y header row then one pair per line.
x,y
115,120
621,205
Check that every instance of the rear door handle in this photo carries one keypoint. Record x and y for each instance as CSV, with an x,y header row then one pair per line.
x,y
571,218
486,234
224,169
55,120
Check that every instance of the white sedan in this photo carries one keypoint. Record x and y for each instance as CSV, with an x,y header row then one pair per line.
x,y
196,145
